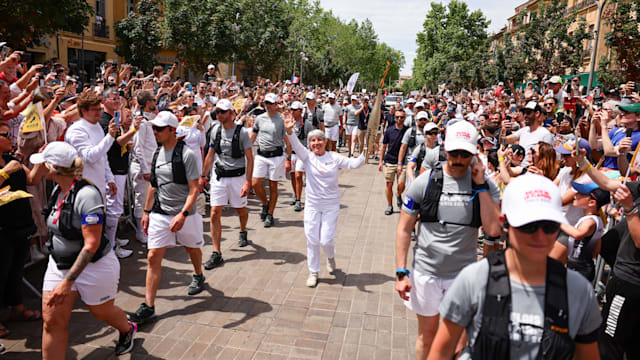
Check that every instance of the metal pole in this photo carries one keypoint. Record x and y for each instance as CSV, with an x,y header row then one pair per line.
x,y
595,45
235,30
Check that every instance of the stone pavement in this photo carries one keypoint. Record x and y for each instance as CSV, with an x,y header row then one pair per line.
x,y
257,306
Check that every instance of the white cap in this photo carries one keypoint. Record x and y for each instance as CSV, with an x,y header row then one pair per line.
x,y
296,105
555,80
461,136
420,104
165,118
57,153
354,97
501,83
422,115
366,98
430,126
310,96
211,66
224,105
411,101
531,105
271,98
331,96
530,198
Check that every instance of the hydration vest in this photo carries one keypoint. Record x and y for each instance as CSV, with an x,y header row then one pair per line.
x,y
429,208
412,138
70,233
492,341
236,151
177,169
442,157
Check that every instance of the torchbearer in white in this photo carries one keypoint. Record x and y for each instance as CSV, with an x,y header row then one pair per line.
x,y
322,196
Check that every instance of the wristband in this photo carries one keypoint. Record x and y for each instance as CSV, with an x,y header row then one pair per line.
x,y
134,129
4,174
147,211
400,163
203,176
500,159
633,210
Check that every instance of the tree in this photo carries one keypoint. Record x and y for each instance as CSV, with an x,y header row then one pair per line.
x,y
624,41
26,23
200,31
140,35
556,50
507,63
452,42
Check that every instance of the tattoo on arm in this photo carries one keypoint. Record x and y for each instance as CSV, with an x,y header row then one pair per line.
x,y
83,259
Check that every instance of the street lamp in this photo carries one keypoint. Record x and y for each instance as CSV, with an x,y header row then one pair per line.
x,y
235,28
594,51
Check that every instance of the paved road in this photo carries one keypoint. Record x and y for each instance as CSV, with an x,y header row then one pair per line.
x,y
257,305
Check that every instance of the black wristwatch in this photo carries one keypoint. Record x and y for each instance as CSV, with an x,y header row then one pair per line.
x,y
185,213
483,186
401,273
147,211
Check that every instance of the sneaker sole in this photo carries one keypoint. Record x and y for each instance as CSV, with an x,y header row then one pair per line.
x,y
210,267
128,350
198,291
142,322
243,244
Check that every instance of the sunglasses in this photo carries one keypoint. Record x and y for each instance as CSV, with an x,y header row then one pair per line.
x,y
460,153
548,227
575,80
548,104
223,111
527,111
159,128
6,135
431,133
399,117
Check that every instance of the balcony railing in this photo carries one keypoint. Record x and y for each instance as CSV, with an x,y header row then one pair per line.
x,y
581,5
100,30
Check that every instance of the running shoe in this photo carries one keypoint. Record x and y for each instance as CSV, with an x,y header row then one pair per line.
x,y
298,206
197,284
312,280
293,202
214,261
125,342
122,242
389,210
122,253
242,241
265,212
268,221
143,315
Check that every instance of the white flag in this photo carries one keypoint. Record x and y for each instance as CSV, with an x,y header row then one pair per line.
x,y
341,83
352,82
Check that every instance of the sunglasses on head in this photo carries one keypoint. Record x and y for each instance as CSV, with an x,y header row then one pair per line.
x,y
548,227
460,153
159,128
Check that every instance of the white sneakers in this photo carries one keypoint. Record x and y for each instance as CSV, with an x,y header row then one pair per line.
x,y
331,265
122,242
312,280
122,253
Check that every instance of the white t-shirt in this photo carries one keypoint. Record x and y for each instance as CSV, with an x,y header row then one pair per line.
x,y
528,138
572,213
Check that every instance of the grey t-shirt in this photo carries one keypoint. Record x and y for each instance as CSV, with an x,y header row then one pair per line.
x,y
352,119
172,196
463,304
443,249
88,210
419,134
431,158
331,113
225,160
270,130
302,130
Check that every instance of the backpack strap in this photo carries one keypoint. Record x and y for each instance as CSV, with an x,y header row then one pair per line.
x,y
429,208
236,151
556,303
177,164
153,180
217,139
412,138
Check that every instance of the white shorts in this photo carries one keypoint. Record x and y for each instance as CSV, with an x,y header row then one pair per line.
x,y
331,132
297,165
140,188
189,236
352,130
97,283
226,191
426,294
114,202
271,168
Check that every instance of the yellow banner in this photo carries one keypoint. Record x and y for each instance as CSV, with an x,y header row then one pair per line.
x,y
190,121
34,118
7,196
237,105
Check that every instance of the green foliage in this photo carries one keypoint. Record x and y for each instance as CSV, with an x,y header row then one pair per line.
x,y
451,47
624,42
508,63
140,35
26,22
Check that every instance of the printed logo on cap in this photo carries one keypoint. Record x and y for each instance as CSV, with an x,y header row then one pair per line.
x,y
463,134
537,195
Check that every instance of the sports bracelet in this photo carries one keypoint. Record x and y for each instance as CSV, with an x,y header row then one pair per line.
x,y
4,174
500,159
633,210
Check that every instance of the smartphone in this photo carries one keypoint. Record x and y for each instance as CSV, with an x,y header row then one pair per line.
x,y
116,117
190,87
576,151
629,132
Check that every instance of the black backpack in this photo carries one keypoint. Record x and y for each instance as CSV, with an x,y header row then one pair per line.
x,y
493,341
236,151
412,138
429,208
66,228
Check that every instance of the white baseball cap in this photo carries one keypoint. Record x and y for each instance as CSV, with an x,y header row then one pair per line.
x,y
310,96
419,104
58,153
354,97
296,105
211,66
430,126
422,115
530,198
411,101
271,98
224,105
461,136
331,96
165,118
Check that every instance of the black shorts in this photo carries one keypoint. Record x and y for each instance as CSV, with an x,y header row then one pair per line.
x,y
620,329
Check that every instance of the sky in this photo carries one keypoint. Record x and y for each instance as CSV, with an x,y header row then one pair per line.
x,y
397,22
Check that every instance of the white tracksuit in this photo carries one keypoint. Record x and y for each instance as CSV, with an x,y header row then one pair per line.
x,y
322,204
